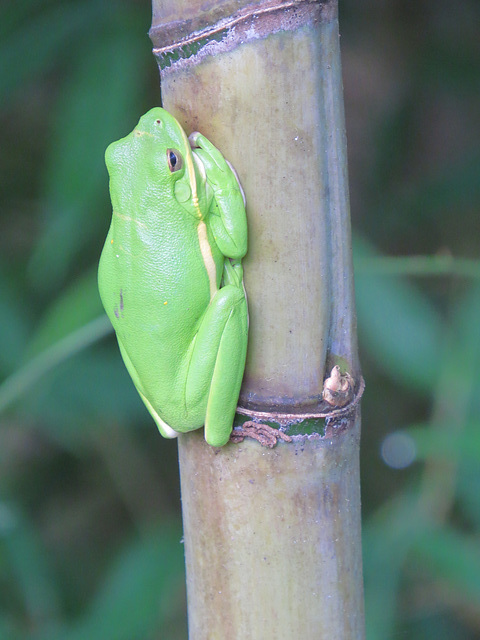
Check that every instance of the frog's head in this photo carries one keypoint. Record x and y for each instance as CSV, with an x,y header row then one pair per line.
x,y
159,152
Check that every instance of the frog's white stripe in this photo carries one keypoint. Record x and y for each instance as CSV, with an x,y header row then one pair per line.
x,y
207,256
205,247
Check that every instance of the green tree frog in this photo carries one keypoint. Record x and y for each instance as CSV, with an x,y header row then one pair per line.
x,y
171,278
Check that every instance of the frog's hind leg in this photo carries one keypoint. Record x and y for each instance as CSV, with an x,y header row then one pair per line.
x,y
218,361
163,427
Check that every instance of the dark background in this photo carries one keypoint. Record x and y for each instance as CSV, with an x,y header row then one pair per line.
x,y
89,501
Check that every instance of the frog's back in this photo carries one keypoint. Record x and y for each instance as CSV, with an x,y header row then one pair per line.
x,y
154,283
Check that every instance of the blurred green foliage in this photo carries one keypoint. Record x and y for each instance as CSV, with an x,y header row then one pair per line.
x,y
90,531
412,90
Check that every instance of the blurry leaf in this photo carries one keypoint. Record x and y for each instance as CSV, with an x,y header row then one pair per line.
x,y
465,357
142,590
393,144
32,48
431,442
14,323
451,62
7,629
76,306
12,14
146,582
465,354
100,103
450,189
398,326
453,559
28,565
18,383
456,398
468,482
433,625
387,538
83,392
420,266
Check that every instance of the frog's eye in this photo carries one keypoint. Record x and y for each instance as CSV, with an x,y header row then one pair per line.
x,y
175,160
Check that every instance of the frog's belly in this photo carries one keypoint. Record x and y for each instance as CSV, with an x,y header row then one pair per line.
x,y
158,363
155,298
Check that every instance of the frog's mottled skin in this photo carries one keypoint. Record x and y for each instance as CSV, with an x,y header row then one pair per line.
x,y
170,275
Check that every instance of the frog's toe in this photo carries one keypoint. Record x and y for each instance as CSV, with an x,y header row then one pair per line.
x,y
192,138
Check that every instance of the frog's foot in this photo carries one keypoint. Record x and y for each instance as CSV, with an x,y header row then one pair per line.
x,y
264,434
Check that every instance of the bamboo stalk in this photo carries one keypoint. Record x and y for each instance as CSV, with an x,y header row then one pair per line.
x,y
272,537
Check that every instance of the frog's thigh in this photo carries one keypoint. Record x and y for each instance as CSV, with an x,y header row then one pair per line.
x,y
163,427
218,361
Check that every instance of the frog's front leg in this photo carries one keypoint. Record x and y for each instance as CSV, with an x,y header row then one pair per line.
x,y
228,219
218,361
